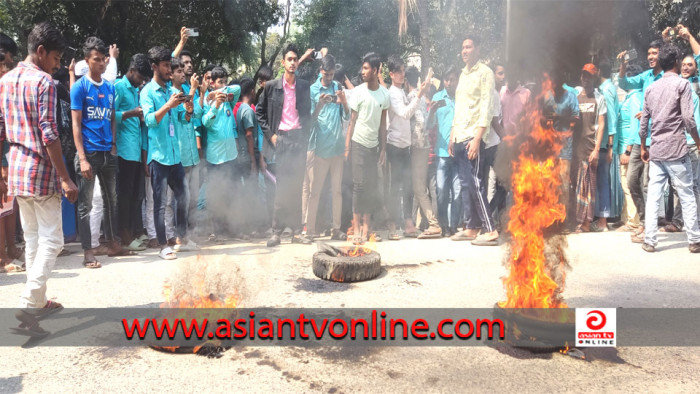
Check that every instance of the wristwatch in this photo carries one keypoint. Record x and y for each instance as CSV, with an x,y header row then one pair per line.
x,y
627,152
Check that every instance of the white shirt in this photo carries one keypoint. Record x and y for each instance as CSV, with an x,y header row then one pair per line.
x,y
400,114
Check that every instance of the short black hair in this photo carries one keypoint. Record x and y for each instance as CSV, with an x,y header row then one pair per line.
x,y
669,56
7,44
175,63
634,69
373,60
159,54
94,44
412,75
692,56
218,72
209,67
328,63
264,73
497,63
140,63
476,40
247,86
339,74
47,35
451,70
605,68
290,48
394,63
657,44
185,52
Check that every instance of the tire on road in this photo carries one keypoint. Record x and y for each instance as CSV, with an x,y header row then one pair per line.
x,y
347,269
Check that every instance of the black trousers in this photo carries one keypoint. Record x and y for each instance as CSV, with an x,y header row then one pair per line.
x,y
364,179
129,196
290,163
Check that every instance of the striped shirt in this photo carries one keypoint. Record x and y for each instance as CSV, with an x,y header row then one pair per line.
x,y
28,105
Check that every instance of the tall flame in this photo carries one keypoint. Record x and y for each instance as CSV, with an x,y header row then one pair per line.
x,y
536,206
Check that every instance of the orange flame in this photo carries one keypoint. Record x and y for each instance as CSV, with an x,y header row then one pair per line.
x,y
201,298
536,189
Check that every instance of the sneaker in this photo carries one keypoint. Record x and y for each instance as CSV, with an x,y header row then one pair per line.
x,y
648,248
694,248
273,241
337,235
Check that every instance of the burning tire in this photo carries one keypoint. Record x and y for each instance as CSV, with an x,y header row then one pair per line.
x,y
344,268
537,334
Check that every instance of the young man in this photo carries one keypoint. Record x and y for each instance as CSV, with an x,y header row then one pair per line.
x,y
284,114
689,72
448,186
610,197
369,103
221,152
592,109
399,150
635,171
669,104
562,106
9,253
37,173
420,152
267,153
128,115
329,109
189,152
468,142
162,109
514,100
94,131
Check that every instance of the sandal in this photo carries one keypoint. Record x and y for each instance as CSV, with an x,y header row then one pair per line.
x,y
670,228
123,252
411,234
65,252
167,253
136,246
337,235
375,237
485,242
462,236
92,264
49,309
153,244
597,229
431,232
15,266
394,236
30,330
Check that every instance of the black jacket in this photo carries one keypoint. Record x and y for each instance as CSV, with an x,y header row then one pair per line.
x,y
269,109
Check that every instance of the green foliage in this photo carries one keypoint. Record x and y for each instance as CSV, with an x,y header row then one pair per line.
x,y
227,27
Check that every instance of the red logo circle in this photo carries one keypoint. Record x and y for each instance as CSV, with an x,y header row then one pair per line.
x,y
597,321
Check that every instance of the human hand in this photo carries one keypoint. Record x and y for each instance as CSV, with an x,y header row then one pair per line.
x,y
113,151
175,100
593,157
621,57
146,170
183,35
645,154
624,160
683,32
71,67
666,34
204,87
450,149
220,98
85,169
3,192
610,155
638,115
341,97
473,148
273,139
114,51
194,83
189,107
69,190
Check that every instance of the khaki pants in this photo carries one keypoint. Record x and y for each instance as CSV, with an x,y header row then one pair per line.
x,y
629,211
321,167
42,223
419,168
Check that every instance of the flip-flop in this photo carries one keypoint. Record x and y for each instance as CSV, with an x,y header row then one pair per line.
x,y
136,246
480,242
411,234
64,253
49,309
167,253
461,236
426,235
15,266
394,236
143,238
123,252
94,264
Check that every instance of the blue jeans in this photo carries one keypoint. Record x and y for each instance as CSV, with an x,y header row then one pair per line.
x,y
162,177
448,193
680,174
474,178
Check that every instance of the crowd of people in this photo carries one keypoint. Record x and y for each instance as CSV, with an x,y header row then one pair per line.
x,y
165,151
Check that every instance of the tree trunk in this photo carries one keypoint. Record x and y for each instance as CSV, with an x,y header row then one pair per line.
x,y
424,27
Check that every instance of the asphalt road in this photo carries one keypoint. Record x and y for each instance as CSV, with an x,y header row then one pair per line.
x,y
608,271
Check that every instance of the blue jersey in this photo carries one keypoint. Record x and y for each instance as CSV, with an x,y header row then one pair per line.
x,y
97,105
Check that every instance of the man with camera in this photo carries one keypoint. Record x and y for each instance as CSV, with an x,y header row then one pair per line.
x,y
162,109
329,109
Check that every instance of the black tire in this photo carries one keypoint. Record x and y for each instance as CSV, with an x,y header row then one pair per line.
x,y
347,269
542,334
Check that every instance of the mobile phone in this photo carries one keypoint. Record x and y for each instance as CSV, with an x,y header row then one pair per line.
x,y
188,97
193,32
317,55
439,104
631,55
334,98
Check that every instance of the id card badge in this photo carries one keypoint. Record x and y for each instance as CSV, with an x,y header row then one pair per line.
x,y
172,130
